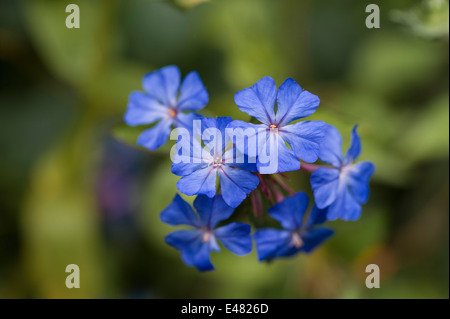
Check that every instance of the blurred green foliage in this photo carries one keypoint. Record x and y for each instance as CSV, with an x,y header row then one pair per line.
x,y
75,188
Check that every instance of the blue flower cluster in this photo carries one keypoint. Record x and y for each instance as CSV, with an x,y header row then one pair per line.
x,y
224,162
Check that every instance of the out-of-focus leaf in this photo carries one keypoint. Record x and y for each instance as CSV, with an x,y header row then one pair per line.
x,y
248,42
129,135
72,54
109,90
429,19
188,4
379,125
60,228
370,230
382,66
427,136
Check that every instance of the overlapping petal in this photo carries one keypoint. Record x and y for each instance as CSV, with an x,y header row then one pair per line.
x,y
325,184
235,237
198,254
179,212
316,217
294,103
163,85
313,238
331,147
290,211
143,109
259,100
235,184
305,138
355,147
211,211
358,180
156,136
202,181
269,242
193,94
345,207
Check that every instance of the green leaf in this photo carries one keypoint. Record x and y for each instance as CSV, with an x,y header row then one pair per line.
x,y
427,135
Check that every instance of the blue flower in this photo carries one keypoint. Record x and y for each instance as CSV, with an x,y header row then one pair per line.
x,y
195,245
295,236
221,159
344,187
293,103
163,102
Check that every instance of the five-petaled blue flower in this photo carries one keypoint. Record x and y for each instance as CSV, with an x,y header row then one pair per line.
x,y
295,237
293,103
163,102
221,159
343,188
195,245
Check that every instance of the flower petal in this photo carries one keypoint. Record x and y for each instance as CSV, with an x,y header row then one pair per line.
x,y
189,155
325,183
345,207
245,135
142,109
294,103
184,169
355,147
290,211
213,134
316,217
314,238
305,138
179,212
331,147
259,100
163,85
274,156
212,210
199,182
235,237
358,180
234,158
180,239
236,184
269,242
186,120
155,137
197,254
193,95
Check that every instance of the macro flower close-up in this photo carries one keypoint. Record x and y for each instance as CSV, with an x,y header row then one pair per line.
x,y
276,130
165,102
296,235
344,187
195,245
221,160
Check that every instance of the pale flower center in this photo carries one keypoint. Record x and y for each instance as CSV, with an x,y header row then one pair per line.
x,y
207,235
217,162
345,171
172,113
296,240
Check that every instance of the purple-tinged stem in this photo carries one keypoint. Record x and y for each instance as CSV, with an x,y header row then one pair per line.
x,y
283,184
264,187
257,204
278,195
309,167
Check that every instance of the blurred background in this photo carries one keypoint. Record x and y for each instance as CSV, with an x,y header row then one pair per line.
x,y
75,189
